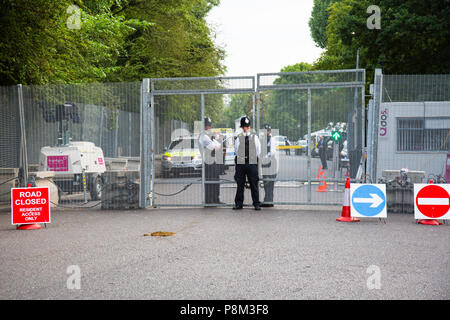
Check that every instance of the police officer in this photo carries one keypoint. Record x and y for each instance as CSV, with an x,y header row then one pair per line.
x,y
269,166
210,147
248,149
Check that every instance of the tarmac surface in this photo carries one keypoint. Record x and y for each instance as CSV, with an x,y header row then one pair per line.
x,y
217,253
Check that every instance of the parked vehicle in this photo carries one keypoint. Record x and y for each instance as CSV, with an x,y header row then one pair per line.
x,y
304,147
182,157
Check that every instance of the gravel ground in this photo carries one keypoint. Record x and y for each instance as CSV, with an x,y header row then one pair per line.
x,y
218,253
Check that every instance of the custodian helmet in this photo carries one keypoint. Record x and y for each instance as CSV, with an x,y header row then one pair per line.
x,y
245,122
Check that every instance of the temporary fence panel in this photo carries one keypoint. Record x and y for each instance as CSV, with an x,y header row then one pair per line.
x,y
11,149
173,122
83,140
9,127
413,126
302,107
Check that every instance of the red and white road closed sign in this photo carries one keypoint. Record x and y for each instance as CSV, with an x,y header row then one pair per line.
x,y
432,201
30,205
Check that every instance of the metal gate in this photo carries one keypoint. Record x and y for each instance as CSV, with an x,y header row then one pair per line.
x,y
298,106
305,107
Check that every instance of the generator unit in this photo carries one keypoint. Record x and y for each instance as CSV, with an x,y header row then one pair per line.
x,y
77,165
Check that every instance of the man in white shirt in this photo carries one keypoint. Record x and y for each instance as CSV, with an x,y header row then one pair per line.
x,y
248,150
211,149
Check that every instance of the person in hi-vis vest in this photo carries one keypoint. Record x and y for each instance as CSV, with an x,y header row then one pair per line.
x,y
211,149
248,149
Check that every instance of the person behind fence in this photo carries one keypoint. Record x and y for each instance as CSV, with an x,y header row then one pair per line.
x,y
286,143
211,149
248,149
269,165
322,146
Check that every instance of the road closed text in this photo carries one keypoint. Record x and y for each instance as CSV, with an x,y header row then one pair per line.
x,y
30,205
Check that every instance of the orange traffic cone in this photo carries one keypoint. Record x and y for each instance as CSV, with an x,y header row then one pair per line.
x,y
345,215
322,187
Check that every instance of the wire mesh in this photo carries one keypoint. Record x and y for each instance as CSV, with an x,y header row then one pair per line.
x,y
414,127
83,142
202,85
333,111
9,128
416,88
10,146
280,101
307,79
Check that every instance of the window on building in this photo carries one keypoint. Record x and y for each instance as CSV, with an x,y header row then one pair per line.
x,y
423,134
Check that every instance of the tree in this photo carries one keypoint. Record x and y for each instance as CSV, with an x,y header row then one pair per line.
x,y
178,45
319,20
413,39
239,106
117,40
286,109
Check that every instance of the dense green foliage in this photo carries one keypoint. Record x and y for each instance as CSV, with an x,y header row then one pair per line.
x,y
118,40
414,37
319,20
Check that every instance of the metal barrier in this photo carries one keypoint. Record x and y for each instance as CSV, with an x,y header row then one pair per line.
x,y
81,138
303,107
410,124
173,112
298,105
61,136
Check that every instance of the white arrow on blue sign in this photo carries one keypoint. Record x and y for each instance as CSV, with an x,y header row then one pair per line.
x,y
368,200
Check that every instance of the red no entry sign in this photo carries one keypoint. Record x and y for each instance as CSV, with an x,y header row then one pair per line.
x,y
30,205
431,201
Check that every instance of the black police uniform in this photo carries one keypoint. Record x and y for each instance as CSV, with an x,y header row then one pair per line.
x,y
246,161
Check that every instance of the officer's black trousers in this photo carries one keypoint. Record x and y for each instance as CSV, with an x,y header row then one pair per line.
x,y
251,172
212,191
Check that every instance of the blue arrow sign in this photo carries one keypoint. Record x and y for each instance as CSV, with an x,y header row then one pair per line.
x,y
368,200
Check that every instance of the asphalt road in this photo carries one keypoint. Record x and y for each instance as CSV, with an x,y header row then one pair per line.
x,y
278,253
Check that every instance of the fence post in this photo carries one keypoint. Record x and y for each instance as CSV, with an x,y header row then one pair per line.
x,y
203,158
309,146
129,134
146,145
376,117
370,145
116,135
23,140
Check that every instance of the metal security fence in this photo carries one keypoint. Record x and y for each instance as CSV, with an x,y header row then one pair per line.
x,y
124,145
410,127
81,140
300,107
9,127
173,114
318,126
